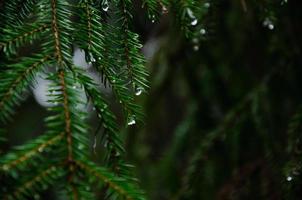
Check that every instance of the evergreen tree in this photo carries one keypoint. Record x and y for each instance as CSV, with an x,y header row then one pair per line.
x,y
225,137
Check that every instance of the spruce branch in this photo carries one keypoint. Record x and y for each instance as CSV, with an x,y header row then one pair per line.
x,y
118,184
26,153
17,12
66,136
11,41
45,178
16,78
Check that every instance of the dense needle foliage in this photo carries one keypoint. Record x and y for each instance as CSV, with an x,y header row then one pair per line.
x,y
213,129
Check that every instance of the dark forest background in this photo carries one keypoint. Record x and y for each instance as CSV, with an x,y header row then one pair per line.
x,y
223,115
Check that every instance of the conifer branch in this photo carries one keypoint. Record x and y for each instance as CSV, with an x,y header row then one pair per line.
x,y
14,84
29,33
47,177
68,133
58,53
67,118
28,151
17,11
120,185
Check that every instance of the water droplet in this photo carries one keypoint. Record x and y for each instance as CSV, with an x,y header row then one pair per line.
x,y
74,87
207,5
194,22
268,23
138,91
270,26
164,9
289,178
283,2
153,18
105,5
202,31
196,47
131,120
94,144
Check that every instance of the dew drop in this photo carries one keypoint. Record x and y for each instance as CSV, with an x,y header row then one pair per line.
x,y
153,19
105,5
131,121
194,22
268,23
289,178
196,47
283,2
164,9
207,5
202,31
138,91
270,26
